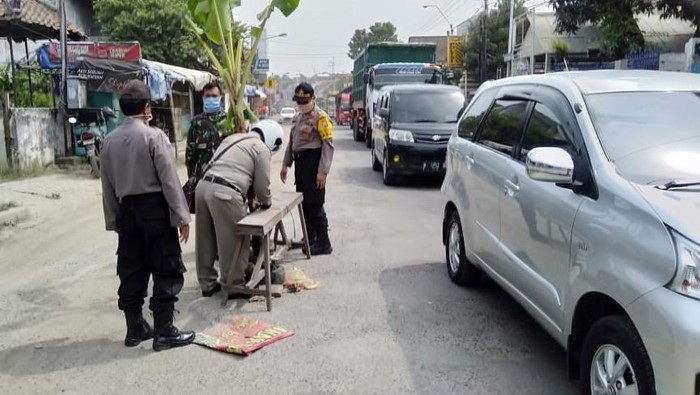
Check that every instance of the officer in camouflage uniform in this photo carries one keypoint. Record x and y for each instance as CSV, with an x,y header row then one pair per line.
x,y
311,149
206,132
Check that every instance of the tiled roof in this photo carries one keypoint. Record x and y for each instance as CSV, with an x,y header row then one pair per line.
x,y
35,21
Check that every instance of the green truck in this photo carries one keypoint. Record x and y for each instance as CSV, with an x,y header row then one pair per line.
x,y
387,63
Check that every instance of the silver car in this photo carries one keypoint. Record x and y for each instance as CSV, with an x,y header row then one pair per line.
x,y
579,194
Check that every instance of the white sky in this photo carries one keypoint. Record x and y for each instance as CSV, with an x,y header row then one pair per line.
x,y
319,31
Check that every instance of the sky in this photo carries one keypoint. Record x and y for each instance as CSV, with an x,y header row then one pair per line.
x,y
318,32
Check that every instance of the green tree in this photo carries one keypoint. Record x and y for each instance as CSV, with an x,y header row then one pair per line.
x,y
160,27
497,23
379,32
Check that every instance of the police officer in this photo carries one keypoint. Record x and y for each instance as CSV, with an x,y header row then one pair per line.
x,y
143,202
311,149
241,164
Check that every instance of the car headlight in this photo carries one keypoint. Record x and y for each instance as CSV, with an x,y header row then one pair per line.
x,y
687,279
400,135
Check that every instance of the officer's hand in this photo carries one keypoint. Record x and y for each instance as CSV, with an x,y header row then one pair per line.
x,y
283,174
321,180
184,233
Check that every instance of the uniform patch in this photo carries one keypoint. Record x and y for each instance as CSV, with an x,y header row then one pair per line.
x,y
325,128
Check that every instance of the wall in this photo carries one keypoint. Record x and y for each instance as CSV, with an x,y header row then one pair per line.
x,y
673,62
34,130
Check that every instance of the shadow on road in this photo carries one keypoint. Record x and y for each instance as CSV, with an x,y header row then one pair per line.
x,y
475,341
63,354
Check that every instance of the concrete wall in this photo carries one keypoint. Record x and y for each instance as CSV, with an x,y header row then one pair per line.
x,y
34,130
673,62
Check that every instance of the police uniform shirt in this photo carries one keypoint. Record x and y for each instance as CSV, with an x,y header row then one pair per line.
x,y
137,159
245,164
311,131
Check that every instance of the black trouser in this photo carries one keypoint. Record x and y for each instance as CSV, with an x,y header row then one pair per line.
x,y
305,171
148,245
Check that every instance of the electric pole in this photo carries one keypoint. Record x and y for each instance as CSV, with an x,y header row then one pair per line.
x,y
483,64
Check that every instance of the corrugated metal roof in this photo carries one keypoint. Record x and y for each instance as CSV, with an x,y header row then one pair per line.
x,y
34,20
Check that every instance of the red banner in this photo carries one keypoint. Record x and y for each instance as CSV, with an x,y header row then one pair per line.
x,y
128,52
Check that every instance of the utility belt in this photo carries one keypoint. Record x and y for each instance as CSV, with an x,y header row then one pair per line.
x,y
221,181
307,152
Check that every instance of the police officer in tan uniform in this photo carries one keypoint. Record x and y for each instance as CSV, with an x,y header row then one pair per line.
x,y
311,150
144,203
240,164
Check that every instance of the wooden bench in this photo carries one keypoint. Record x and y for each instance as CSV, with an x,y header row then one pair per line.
x,y
262,223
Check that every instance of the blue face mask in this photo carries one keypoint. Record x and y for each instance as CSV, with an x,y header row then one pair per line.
x,y
212,104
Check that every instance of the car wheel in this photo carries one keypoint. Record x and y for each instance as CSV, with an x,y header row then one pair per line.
x,y
355,131
376,164
368,137
614,360
460,270
389,179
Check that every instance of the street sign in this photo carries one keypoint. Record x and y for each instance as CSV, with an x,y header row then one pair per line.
x,y
262,65
455,55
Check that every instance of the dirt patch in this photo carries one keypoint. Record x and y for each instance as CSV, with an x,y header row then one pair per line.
x,y
8,205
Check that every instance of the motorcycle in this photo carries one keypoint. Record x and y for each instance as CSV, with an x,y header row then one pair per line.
x,y
95,126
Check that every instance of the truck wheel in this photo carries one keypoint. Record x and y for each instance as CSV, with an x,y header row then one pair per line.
x,y
614,360
355,131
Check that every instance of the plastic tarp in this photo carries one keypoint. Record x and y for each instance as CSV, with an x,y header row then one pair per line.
x,y
175,73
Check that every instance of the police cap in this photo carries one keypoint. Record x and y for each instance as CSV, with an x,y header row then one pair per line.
x,y
303,93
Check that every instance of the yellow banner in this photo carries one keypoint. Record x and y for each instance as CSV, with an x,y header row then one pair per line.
x,y
455,55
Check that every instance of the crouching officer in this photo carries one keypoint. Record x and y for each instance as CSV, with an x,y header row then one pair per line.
x,y
144,203
311,150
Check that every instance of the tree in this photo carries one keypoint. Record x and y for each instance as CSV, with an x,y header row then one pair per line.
x,y
159,26
616,19
497,24
212,23
379,32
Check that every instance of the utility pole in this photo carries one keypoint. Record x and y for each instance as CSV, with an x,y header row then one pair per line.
x,y
483,64
64,74
511,33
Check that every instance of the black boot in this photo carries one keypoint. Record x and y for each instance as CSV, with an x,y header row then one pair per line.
x,y
137,329
322,246
168,336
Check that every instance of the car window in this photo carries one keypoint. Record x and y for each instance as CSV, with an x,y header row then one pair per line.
x,y
544,130
471,120
503,126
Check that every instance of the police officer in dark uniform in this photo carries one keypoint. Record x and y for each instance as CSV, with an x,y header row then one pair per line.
x,y
311,150
144,203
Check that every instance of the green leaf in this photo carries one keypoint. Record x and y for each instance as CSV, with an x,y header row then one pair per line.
x,y
266,13
256,31
287,7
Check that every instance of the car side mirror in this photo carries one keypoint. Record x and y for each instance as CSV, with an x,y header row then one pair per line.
x,y
550,164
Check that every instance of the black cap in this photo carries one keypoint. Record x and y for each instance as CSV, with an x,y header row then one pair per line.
x,y
303,93
136,90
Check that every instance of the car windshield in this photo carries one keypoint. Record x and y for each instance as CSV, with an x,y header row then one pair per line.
x,y
428,107
395,79
652,137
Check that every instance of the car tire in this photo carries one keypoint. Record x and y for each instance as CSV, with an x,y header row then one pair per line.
x,y
616,336
459,268
355,131
376,164
368,137
389,179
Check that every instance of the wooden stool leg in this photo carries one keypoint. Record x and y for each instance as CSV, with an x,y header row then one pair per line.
x,y
268,273
304,232
227,285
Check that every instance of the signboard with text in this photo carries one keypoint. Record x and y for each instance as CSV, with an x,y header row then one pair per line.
x,y
455,55
128,52
261,65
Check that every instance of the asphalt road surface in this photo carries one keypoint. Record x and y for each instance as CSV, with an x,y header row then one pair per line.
x,y
385,318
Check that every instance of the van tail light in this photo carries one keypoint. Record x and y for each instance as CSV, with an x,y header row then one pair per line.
x,y
86,136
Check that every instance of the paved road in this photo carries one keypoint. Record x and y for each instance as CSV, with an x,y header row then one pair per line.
x,y
385,319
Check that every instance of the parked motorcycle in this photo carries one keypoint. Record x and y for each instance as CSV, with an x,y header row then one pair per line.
x,y
91,139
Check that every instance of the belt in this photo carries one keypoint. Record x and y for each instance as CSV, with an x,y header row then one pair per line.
x,y
221,181
301,154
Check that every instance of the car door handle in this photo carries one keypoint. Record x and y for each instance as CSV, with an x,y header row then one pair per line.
x,y
510,188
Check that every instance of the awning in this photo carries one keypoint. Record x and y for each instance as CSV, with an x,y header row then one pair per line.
x,y
196,78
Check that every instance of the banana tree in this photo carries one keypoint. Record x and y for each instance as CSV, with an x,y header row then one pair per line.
x,y
213,25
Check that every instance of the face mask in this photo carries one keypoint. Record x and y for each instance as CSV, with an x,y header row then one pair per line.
x,y
212,104
148,119
306,108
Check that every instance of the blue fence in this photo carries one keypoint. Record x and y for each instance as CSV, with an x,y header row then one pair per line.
x,y
644,60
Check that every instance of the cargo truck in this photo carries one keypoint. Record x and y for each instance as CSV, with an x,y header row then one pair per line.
x,y
382,64
343,106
